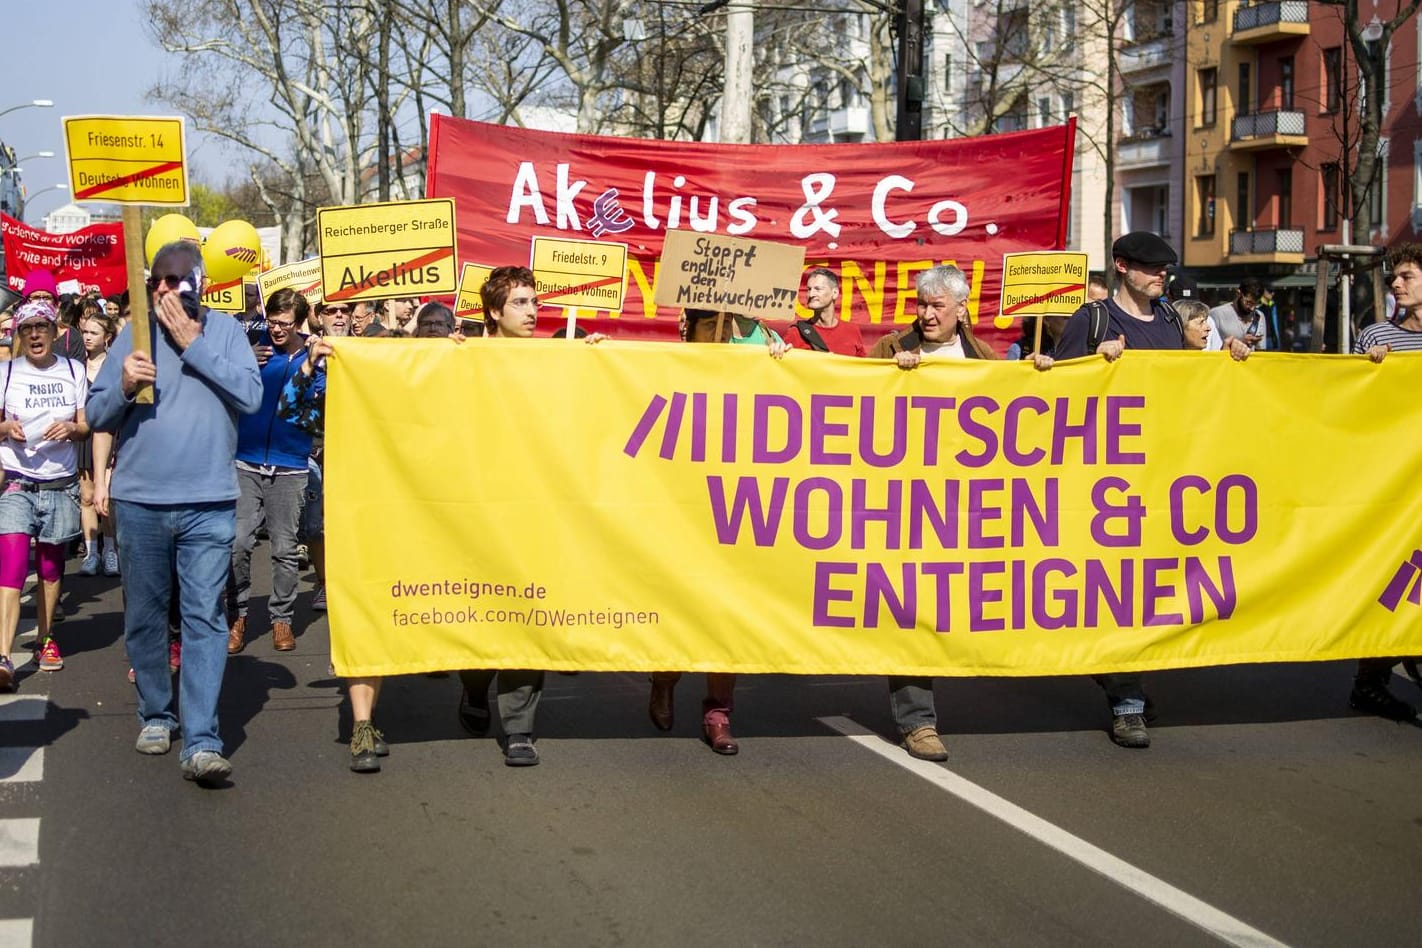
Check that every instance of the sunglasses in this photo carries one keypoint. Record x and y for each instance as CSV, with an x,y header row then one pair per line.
x,y
171,281
334,309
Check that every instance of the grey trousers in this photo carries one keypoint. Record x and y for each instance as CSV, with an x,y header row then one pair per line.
x,y
519,691
911,700
275,500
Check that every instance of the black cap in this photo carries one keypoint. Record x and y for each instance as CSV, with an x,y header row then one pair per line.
x,y
1141,246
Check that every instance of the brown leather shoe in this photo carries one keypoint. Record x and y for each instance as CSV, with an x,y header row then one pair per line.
x,y
282,639
237,635
661,705
720,739
924,743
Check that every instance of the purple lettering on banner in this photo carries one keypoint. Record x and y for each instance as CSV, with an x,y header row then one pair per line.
x,y
650,414
698,426
1012,419
1017,595
868,431
879,588
943,519
1153,591
1178,487
1197,581
981,510
1067,597
933,408
1064,430
1228,486
673,429
762,452
764,517
822,429
979,596
890,515
1119,599
973,428
825,594
1132,511
942,573
1045,523
1118,430
834,512
729,406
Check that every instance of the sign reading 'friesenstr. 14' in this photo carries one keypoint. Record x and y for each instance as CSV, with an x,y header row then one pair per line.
x,y
387,251
127,159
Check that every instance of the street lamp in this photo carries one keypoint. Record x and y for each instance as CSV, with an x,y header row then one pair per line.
x,y
36,104
38,154
52,187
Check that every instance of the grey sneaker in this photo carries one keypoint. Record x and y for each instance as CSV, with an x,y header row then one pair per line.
x,y
206,767
1129,730
519,751
318,601
153,739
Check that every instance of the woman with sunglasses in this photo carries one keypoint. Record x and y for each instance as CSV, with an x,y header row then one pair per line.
x,y
43,405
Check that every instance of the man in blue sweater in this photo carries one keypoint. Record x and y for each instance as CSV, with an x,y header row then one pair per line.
x,y
174,498
271,479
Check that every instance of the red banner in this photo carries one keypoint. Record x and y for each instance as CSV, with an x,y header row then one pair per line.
x,y
88,257
876,214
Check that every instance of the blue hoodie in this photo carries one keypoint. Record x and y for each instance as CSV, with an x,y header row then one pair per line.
x,y
265,438
180,449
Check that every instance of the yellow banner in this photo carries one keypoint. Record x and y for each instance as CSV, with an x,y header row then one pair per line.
x,y
643,506
125,159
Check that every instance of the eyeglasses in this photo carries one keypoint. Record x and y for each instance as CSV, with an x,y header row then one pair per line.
x,y
41,295
172,281
334,309
281,325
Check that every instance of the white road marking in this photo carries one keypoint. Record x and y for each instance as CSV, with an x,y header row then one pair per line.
x,y
1223,926
21,764
19,842
15,707
16,932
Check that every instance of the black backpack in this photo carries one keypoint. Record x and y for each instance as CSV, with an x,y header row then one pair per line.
x,y
811,335
1098,321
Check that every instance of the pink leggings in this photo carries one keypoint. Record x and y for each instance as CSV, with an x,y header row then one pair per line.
x,y
15,560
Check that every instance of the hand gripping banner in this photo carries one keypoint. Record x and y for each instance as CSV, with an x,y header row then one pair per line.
x,y
650,506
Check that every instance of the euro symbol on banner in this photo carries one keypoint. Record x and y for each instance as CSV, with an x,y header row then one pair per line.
x,y
608,217
1409,573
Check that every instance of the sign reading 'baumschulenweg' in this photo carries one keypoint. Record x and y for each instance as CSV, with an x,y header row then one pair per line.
x,y
729,274
387,251
303,276
127,159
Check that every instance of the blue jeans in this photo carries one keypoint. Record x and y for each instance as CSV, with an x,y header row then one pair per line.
x,y
195,541
911,700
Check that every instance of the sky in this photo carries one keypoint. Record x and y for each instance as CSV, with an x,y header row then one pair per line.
x,y
123,63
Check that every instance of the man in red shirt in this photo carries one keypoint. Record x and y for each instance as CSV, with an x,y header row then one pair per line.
x,y
824,330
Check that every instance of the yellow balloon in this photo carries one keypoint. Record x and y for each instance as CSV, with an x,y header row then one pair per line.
x,y
165,230
231,251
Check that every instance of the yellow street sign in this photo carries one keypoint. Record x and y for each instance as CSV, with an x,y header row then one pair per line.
x,y
386,251
304,276
127,159
468,304
590,274
1051,283
224,297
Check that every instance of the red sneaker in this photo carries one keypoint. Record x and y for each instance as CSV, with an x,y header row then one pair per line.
x,y
49,658
175,654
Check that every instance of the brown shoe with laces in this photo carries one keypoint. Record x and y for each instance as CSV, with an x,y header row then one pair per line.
x,y
282,639
237,635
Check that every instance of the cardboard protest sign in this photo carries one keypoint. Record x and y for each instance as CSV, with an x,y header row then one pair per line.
x,y
127,159
468,304
729,274
386,251
304,276
1043,284
579,273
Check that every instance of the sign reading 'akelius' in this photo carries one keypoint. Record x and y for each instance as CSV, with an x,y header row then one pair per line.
x,y
876,213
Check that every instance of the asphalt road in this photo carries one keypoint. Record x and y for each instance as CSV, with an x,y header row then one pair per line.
x,y
1264,803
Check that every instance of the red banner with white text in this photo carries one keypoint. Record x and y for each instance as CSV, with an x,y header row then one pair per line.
x,y
89,257
876,214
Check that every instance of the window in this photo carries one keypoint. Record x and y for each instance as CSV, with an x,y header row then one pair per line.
x,y
1246,90
1013,35
1205,198
1208,79
1333,79
948,73
1328,185
1286,198
1044,112
1068,104
1286,82
1209,11
1243,214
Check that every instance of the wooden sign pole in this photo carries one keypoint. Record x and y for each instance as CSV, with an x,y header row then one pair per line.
x,y
137,291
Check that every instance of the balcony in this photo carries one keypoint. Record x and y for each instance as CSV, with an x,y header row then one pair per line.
x,y
1142,57
1279,245
1278,128
1267,22
849,122
1144,149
